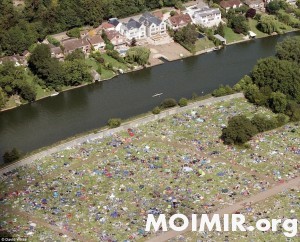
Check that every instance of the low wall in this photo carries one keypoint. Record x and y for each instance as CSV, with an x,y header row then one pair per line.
x,y
109,132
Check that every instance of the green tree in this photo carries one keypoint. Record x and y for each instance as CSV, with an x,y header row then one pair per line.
x,y
156,110
75,55
183,102
293,110
114,122
139,55
269,24
262,123
75,33
76,72
279,75
187,36
238,23
168,103
273,6
11,156
3,98
238,131
278,102
48,69
289,49
220,30
27,91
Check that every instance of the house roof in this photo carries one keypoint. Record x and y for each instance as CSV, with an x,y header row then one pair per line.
x,y
56,50
114,21
219,37
249,2
112,34
132,24
26,52
148,19
158,14
14,58
106,25
207,11
230,3
97,39
180,19
73,44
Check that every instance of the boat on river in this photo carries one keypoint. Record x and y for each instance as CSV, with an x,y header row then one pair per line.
x,y
157,94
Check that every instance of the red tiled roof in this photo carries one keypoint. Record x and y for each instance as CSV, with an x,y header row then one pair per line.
x,y
158,14
106,25
230,3
180,19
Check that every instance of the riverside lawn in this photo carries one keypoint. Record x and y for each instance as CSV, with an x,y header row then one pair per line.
x,y
104,189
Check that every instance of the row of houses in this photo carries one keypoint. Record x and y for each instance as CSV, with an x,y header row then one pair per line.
x,y
119,33
258,5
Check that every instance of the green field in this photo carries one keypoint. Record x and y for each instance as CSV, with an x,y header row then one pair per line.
x,y
203,44
230,36
253,28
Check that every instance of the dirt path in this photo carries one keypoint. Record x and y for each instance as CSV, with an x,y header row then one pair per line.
x,y
235,207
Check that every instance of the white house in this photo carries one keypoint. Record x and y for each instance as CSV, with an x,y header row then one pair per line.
x,y
154,25
205,16
115,22
133,29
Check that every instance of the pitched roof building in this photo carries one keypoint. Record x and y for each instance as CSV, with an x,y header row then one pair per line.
x,y
228,4
179,20
133,29
73,44
154,25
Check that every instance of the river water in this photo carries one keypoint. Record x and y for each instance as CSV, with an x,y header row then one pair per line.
x,y
52,119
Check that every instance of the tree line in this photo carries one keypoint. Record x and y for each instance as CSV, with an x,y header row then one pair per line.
x,y
273,83
21,27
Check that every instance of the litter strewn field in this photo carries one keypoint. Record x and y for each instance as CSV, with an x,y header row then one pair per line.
x,y
102,190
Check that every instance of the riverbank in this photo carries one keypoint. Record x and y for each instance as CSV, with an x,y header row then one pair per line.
x,y
178,52
110,184
105,132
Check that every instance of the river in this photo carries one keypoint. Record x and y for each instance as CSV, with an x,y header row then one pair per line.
x,y
42,123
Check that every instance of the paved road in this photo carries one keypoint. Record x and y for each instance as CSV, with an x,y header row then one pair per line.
x,y
235,207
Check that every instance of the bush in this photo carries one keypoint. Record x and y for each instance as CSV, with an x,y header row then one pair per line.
x,y
282,119
53,41
156,110
293,111
109,46
139,55
115,54
263,123
114,122
10,156
239,130
169,103
250,13
183,102
223,91
75,33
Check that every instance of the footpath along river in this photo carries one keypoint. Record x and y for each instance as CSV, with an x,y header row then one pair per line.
x,y
49,120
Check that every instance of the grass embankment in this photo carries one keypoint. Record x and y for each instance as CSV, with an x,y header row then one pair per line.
x,y
203,44
253,27
230,36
